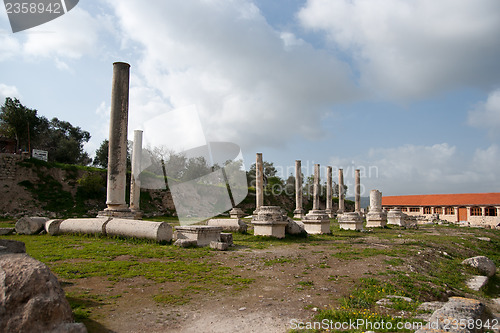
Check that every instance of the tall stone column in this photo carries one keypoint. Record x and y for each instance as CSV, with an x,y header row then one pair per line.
x,y
117,155
316,221
298,213
135,182
316,188
329,210
341,192
259,183
357,195
376,217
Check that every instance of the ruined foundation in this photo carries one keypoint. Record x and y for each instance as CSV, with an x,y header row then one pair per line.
x,y
350,221
202,234
270,221
396,217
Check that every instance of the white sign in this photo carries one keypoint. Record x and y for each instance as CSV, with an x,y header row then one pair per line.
x,y
41,155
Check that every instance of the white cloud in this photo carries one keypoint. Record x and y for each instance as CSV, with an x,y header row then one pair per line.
x,y
414,169
413,49
9,46
252,85
69,36
8,91
486,115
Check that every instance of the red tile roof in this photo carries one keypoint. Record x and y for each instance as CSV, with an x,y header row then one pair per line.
x,y
465,199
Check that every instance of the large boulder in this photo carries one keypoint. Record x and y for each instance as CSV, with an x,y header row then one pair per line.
x,y
483,264
31,298
458,311
30,225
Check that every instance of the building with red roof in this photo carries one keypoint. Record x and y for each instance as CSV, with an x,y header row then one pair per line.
x,y
476,208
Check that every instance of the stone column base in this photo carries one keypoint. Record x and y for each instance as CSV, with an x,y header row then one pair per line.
x,y
376,219
350,221
236,213
119,213
299,214
396,217
270,221
316,222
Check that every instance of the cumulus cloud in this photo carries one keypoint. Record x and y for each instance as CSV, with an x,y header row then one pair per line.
x,y
252,85
418,169
486,115
69,36
412,49
8,91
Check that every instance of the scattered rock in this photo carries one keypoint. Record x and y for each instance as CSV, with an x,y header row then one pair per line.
x,y
456,310
11,246
242,309
30,225
430,306
486,239
219,246
388,300
483,264
31,299
477,282
6,231
294,227
186,243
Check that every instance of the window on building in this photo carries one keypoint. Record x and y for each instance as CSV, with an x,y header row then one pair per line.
x,y
427,210
404,209
438,210
490,211
476,211
414,209
449,211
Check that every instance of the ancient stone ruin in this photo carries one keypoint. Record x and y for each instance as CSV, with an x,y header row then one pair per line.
x,y
376,217
316,221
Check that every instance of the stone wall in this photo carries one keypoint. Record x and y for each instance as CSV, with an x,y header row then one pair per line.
x,y
8,165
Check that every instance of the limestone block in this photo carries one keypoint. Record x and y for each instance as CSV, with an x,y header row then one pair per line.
x,y
316,222
30,225
483,264
396,217
52,227
157,231
11,246
350,221
95,226
32,298
270,221
226,238
376,219
232,225
456,310
6,231
294,227
185,243
202,234
477,282
219,246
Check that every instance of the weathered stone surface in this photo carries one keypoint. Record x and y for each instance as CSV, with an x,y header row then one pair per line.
x,y
396,217
186,242
294,227
31,299
157,231
30,225
11,246
84,226
483,264
376,217
350,221
202,234
430,306
389,299
477,282
219,246
270,221
6,231
316,222
226,237
453,311
232,225
52,227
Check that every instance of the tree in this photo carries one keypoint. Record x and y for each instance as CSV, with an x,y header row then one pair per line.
x,y
269,171
19,122
101,155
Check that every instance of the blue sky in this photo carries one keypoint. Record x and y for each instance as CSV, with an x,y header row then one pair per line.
x,y
408,91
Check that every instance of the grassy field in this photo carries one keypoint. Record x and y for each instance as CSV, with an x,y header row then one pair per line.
x,y
423,264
